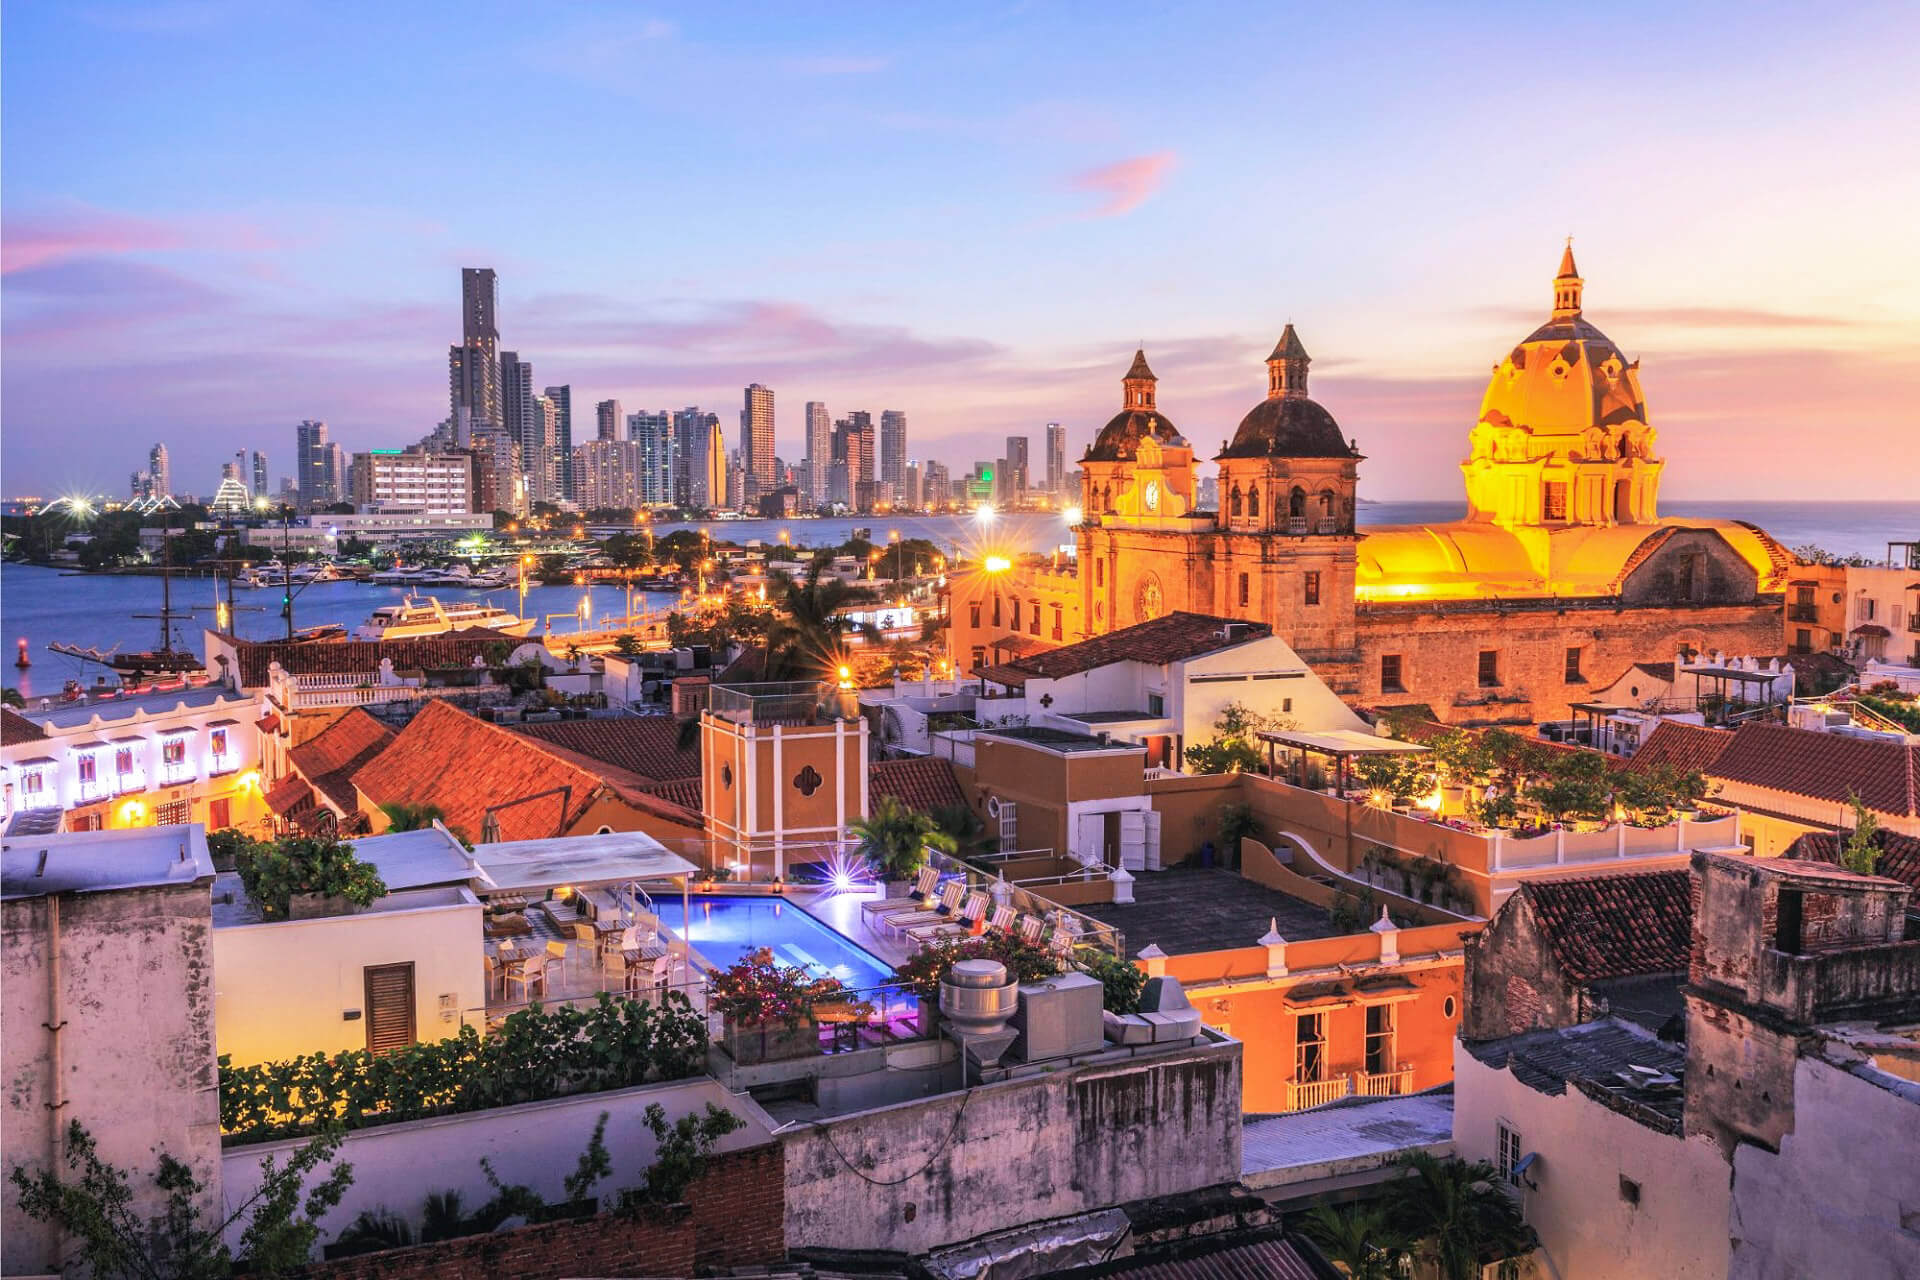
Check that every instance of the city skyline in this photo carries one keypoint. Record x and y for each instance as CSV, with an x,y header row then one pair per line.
x,y
149,269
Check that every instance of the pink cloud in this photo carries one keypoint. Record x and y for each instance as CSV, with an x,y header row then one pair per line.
x,y
35,238
1126,184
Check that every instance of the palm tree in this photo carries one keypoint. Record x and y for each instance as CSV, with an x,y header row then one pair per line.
x,y
804,638
1461,1217
894,839
1361,1238
411,817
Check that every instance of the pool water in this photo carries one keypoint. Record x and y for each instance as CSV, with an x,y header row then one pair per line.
x,y
726,929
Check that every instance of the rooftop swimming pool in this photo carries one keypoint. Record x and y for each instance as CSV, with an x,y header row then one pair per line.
x,y
725,929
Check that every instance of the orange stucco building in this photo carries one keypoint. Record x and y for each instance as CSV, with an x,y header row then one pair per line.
x,y
1559,577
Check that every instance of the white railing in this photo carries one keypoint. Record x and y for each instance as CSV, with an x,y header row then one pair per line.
x,y
1155,773
1383,1084
1616,841
1316,1093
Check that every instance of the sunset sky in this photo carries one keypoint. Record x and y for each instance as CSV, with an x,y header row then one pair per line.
x,y
220,218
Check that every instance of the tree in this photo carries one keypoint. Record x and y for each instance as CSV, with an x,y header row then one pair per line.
x,y
1362,1238
1234,748
272,872
682,1150
1578,784
402,816
1860,854
1460,1217
803,641
10,696
95,1210
894,839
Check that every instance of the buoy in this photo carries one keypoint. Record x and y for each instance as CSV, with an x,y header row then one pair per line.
x,y
23,660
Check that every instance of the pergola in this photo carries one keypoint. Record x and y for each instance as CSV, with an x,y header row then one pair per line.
x,y
616,859
1740,677
1338,745
1596,713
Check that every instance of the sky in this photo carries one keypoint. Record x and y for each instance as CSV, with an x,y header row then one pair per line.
x,y
219,217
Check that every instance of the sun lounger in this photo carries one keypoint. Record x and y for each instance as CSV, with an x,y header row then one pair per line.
x,y
923,885
961,926
1031,927
900,921
1001,921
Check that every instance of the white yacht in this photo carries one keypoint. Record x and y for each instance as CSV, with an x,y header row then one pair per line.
x,y
413,618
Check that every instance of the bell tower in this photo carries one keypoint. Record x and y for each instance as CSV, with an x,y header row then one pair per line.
x,y
1287,368
1567,286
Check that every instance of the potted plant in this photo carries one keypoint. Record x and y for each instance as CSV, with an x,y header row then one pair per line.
x,y
894,841
299,877
769,1008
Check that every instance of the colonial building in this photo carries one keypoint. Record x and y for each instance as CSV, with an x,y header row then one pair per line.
x,y
1561,575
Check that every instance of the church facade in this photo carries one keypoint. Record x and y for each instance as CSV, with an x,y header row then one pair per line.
x,y
1559,578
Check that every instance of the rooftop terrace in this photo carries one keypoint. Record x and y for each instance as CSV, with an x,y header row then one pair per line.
x,y
1191,909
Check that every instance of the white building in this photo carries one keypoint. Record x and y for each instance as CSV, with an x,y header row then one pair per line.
x,y
323,534
606,473
430,483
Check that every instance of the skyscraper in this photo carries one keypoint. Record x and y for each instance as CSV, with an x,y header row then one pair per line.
x,y
561,441
313,465
516,396
819,451
691,431
260,488
713,483
937,486
1014,473
607,473
756,441
473,371
652,437
159,472
606,418
1056,458
538,454
893,450
736,481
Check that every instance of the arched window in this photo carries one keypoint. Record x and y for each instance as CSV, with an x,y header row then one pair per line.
x,y
1234,502
1253,503
1327,507
1297,502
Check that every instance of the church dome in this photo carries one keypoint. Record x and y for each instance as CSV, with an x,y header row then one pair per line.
x,y
1119,440
1566,378
1287,424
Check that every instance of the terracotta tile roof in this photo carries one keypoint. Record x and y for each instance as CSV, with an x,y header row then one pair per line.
x,y
923,784
330,758
1899,854
647,746
462,766
1176,637
1683,746
1647,547
1658,670
289,795
1020,646
349,657
16,728
1615,926
685,792
1003,673
1824,766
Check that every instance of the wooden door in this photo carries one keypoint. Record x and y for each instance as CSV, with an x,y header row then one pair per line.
x,y
389,1007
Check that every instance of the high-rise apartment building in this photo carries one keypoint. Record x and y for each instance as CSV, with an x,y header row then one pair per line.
x,y
692,435
516,396
259,487
561,440
712,484
473,369
853,444
606,420
430,483
160,472
893,450
756,440
651,434
314,468
819,451
909,495
1056,458
538,454
1013,470
607,473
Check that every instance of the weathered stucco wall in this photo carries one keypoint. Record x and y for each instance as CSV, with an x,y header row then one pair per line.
x,y
1583,1207
923,1174
1512,982
1842,1197
136,1053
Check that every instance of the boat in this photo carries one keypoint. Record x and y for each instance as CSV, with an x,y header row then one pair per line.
x,y
404,576
413,618
165,660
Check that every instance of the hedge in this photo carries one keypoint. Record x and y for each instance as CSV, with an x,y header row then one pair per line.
x,y
536,1053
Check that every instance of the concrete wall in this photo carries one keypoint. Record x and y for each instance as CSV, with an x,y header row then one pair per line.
x,y
1586,1223
1513,983
136,1050
1842,1197
396,1166
923,1174
282,989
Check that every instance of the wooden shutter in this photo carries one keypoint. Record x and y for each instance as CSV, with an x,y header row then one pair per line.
x,y
389,1007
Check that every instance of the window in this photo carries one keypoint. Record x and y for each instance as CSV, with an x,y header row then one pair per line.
x,y
218,741
219,814
123,761
173,751
1489,668
1313,586
1506,1153
1573,666
1309,1047
1555,503
1099,573
1034,626
979,658
1233,503
1156,705
1379,1039
1253,503
1244,590
33,782
1629,1191
1803,640
973,614
1390,681
996,611
1058,630
1867,605
177,813
1016,613
1286,705
89,770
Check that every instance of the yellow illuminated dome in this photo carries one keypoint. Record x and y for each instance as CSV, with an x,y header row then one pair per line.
x,y
1140,419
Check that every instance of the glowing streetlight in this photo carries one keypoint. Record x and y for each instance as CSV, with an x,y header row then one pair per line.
x,y
1074,515
997,564
846,677
984,513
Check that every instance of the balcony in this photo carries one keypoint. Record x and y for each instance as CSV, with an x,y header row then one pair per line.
x,y
1296,524
1316,1093
1803,613
1325,527
1384,1084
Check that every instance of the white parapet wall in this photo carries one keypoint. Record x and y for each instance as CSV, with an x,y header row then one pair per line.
x,y
535,1144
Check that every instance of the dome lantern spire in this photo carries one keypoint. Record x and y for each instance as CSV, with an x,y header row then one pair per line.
x,y
1287,368
1139,383
1566,286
